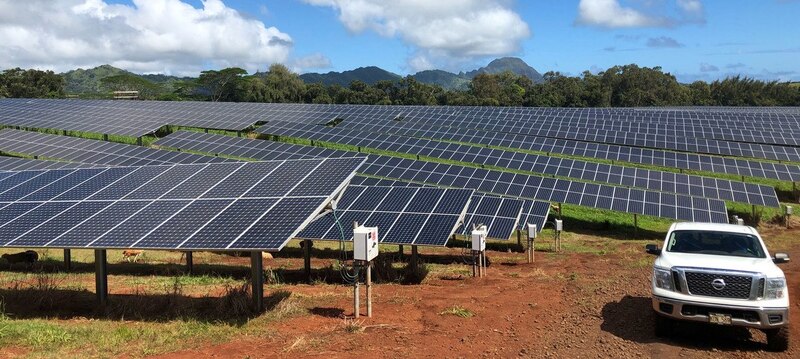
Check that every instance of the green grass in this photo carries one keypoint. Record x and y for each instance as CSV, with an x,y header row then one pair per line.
x,y
458,311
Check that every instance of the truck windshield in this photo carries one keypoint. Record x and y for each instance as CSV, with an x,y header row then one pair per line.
x,y
717,243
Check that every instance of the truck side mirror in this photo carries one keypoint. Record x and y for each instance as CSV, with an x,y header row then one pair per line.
x,y
780,258
652,249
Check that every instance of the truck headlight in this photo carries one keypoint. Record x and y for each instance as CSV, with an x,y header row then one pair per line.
x,y
776,288
662,278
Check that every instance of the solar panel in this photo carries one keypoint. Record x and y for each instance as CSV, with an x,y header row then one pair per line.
x,y
499,214
403,215
549,189
534,212
25,164
163,207
92,151
127,118
613,174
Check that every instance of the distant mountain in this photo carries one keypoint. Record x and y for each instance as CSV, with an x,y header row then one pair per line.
x,y
447,80
369,75
513,64
88,81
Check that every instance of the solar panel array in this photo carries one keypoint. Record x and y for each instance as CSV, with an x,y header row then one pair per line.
x,y
127,118
531,187
403,215
500,215
534,212
500,183
24,164
604,173
93,151
647,156
222,206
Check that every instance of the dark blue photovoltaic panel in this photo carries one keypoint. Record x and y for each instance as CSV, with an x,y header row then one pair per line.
x,y
500,215
165,182
278,224
382,206
180,227
52,228
219,233
199,183
241,181
60,186
136,179
437,226
124,208
97,224
406,229
30,220
32,185
127,233
88,188
534,212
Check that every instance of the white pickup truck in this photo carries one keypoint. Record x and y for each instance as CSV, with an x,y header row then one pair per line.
x,y
720,274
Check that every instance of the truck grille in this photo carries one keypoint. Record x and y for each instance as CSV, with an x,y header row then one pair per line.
x,y
736,286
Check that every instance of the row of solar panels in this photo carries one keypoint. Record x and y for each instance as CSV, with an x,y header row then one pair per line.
x,y
486,181
137,118
435,235
494,182
214,206
603,173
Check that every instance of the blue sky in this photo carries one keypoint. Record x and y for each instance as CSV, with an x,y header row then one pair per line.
x,y
693,39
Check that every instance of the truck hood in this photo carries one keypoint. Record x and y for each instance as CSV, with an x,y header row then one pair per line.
x,y
759,265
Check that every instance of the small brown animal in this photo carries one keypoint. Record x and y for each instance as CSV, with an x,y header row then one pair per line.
x,y
21,257
129,255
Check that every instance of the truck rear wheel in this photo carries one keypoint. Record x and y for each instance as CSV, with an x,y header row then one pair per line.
x,y
778,339
663,326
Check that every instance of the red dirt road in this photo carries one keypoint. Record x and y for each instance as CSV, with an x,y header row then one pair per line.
x,y
564,305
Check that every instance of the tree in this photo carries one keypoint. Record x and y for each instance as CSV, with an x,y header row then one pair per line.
x,y
283,85
21,83
222,85
126,82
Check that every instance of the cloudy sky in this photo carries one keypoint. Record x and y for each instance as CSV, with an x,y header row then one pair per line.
x,y
693,39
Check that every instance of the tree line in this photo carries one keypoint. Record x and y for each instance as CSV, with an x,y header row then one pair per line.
x,y
618,86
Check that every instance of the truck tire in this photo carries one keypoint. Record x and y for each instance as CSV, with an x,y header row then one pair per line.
x,y
778,339
663,326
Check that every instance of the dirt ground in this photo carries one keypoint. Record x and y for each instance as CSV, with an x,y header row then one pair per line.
x,y
592,302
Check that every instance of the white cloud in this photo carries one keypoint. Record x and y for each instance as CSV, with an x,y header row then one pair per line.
x,y
439,31
315,61
612,14
167,36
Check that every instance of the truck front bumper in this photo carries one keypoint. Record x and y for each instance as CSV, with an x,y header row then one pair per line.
x,y
745,316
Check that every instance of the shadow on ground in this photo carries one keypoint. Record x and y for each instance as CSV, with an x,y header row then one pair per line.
x,y
632,319
232,307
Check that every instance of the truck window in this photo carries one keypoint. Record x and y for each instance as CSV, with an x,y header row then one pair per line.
x,y
716,243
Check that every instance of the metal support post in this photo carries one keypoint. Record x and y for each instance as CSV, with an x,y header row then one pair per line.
x,y
356,304
369,289
68,259
189,263
257,280
635,225
307,259
101,276
414,258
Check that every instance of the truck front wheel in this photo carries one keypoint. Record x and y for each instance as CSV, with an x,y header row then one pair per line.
x,y
663,326
778,339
